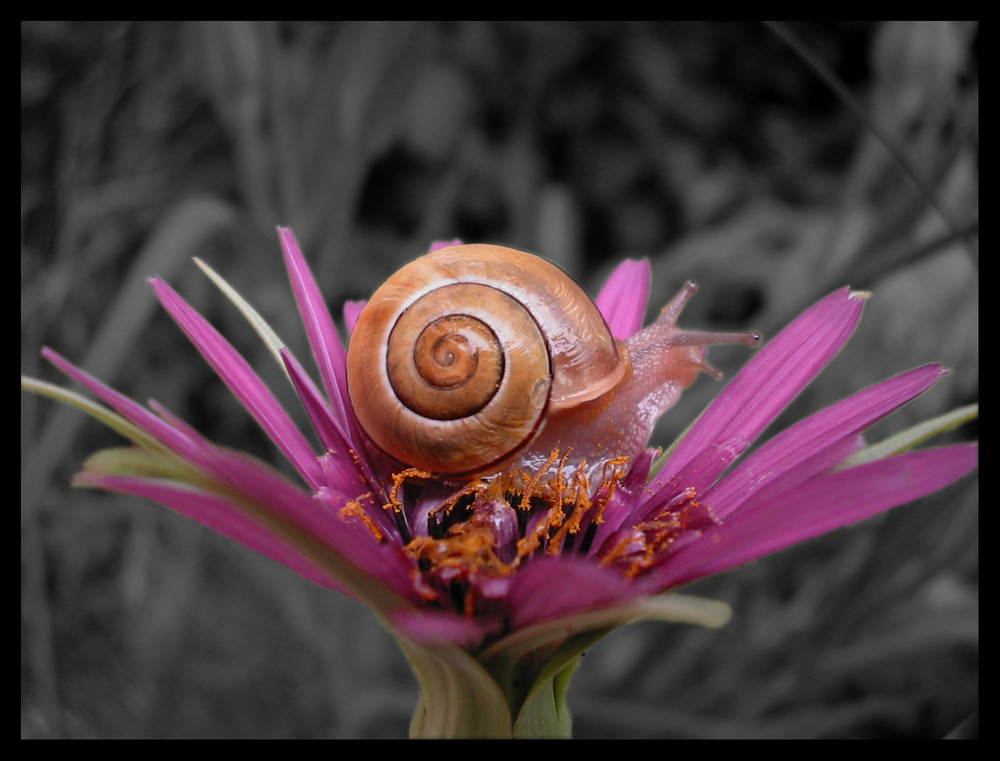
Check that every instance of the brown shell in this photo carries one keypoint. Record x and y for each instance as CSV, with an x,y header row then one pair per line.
x,y
458,357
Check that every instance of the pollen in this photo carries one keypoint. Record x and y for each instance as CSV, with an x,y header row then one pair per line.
x,y
354,509
398,480
482,533
644,544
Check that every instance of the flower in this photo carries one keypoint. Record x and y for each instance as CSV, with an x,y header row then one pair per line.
x,y
494,588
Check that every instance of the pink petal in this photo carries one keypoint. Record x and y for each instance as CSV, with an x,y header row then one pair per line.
x,y
351,311
250,479
184,441
347,471
714,458
622,504
245,384
319,520
323,337
623,299
179,424
315,405
217,514
344,464
801,442
552,587
437,627
774,522
726,500
766,385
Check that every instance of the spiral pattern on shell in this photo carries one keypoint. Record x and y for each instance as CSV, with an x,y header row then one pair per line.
x,y
456,359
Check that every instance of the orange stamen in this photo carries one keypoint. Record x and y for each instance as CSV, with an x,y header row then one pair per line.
x,y
398,479
355,510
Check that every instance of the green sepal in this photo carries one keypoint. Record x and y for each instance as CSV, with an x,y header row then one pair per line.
x,y
546,714
265,331
458,697
142,463
102,414
533,665
518,686
913,436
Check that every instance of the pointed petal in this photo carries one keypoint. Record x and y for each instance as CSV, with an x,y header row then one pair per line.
x,y
351,311
794,471
346,467
373,571
773,522
345,472
315,527
323,337
623,299
126,429
216,513
245,384
181,425
444,244
767,384
180,441
698,474
314,404
259,324
798,444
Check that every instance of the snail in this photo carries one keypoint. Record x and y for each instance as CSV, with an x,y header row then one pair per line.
x,y
475,358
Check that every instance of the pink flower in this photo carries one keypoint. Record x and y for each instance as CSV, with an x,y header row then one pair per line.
x,y
474,567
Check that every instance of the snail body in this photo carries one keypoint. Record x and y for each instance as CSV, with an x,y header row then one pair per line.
x,y
478,357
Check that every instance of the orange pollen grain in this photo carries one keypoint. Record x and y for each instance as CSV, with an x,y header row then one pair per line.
x,y
618,467
562,501
580,499
355,510
446,507
656,535
469,550
677,504
533,481
398,479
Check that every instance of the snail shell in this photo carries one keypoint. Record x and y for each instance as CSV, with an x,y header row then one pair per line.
x,y
458,358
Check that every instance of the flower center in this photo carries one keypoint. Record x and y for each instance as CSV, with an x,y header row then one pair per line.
x,y
476,540
467,545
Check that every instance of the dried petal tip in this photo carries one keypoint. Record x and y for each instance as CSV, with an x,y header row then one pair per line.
x,y
862,295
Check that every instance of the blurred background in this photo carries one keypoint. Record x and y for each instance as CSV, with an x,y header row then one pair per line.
x,y
772,163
